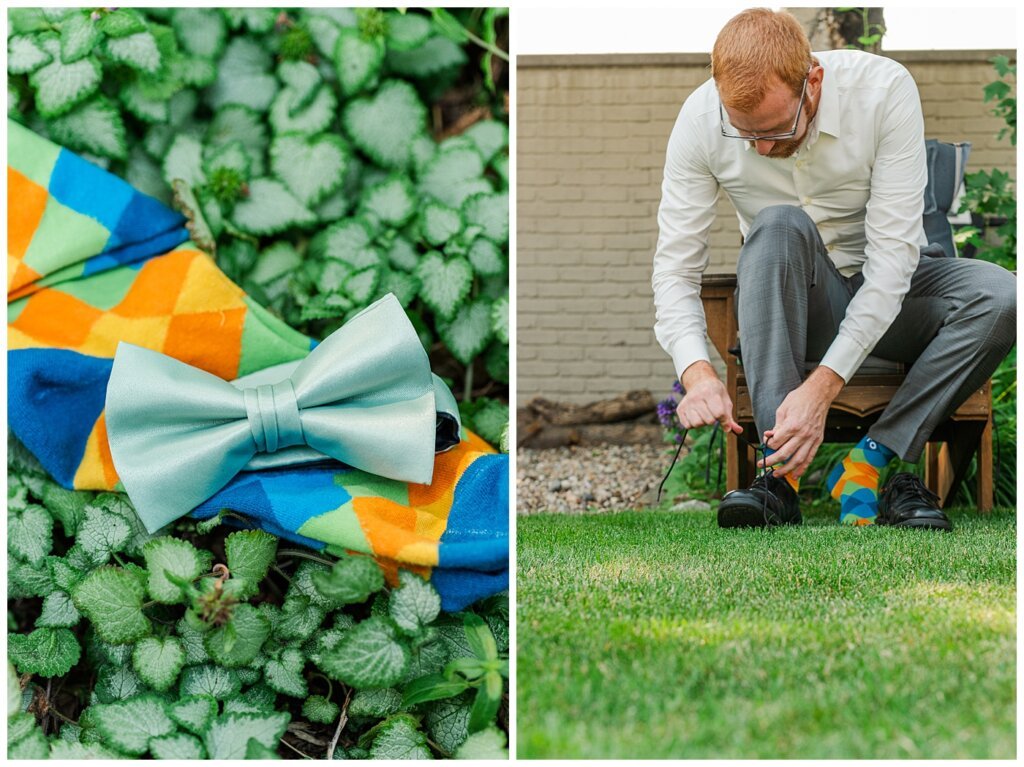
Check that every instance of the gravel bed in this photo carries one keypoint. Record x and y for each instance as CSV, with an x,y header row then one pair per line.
x,y
580,479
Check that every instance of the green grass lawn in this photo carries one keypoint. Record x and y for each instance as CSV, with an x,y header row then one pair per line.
x,y
655,634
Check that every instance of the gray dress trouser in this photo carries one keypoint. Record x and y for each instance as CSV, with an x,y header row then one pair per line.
x,y
957,323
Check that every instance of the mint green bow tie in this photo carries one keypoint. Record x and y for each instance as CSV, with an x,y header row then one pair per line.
x,y
365,396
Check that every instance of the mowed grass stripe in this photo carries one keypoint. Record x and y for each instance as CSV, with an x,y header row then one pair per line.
x,y
658,635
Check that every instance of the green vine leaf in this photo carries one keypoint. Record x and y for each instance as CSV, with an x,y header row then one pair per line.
x,y
486,258
201,31
94,126
25,55
285,674
393,202
444,285
112,599
177,746
370,655
439,223
128,725
167,556
490,212
78,37
243,77
414,604
59,86
103,532
30,533
314,118
138,51
357,61
158,661
228,737
239,641
47,652
467,333
208,679
311,167
453,175
384,125
400,738
317,708
194,712
352,579
58,611
249,556
270,208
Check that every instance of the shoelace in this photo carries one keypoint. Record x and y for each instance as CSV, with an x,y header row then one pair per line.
x,y
760,453
905,483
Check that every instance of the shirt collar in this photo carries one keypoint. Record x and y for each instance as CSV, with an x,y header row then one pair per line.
x,y
827,117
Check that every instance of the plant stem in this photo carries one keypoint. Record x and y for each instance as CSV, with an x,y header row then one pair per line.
x,y
281,572
342,720
467,384
305,555
304,756
486,45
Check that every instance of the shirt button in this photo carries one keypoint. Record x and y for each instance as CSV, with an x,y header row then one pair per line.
x,y
800,163
807,200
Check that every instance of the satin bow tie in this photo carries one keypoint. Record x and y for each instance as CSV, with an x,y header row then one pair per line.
x,y
365,396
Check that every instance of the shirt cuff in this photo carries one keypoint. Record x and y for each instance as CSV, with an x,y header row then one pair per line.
x,y
686,351
844,356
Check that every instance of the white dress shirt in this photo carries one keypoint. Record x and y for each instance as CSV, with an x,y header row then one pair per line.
x,y
860,175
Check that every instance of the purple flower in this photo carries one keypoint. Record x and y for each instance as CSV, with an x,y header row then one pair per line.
x,y
677,387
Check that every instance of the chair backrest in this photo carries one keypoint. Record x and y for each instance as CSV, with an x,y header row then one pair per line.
x,y
946,165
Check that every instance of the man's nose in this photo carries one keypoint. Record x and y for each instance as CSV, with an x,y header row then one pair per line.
x,y
763,147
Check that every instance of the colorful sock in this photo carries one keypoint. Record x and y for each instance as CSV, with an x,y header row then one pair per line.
x,y
92,262
854,482
794,482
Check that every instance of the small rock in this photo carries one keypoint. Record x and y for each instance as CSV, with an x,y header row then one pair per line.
x,y
555,485
692,505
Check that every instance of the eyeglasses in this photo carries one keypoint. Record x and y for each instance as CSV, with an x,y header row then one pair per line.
x,y
773,137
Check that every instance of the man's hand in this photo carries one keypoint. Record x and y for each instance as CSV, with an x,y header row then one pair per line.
x,y
800,423
706,399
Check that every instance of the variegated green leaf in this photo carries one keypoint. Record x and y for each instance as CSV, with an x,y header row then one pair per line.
x,y
486,258
453,175
184,161
59,86
314,118
370,655
400,738
229,736
384,125
201,31
58,611
313,167
112,599
78,36
467,333
25,55
243,76
439,223
407,30
270,208
47,652
128,725
392,202
489,136
158,661
94,126
357,61
490,212
302,80
177,746
444,285
499,319
138,51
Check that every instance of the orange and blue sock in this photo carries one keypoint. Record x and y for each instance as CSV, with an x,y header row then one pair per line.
x,y
854,482
794,482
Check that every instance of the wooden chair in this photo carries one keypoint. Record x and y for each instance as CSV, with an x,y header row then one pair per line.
x,y
947,455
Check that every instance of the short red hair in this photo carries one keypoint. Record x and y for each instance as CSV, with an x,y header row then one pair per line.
x,y
756,49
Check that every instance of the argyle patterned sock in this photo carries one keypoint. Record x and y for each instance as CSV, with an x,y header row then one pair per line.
x,y
92,262
854,482
794,482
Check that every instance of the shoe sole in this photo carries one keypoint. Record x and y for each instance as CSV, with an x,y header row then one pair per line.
x,y
927,524
747,516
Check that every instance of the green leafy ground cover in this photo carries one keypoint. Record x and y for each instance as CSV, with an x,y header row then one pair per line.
x,y
658,635
196,642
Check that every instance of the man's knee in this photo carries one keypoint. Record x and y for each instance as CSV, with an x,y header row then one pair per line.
x,y
784,220
778,233
998,305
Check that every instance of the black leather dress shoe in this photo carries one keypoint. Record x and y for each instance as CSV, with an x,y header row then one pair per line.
x,y
769,501
906,502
